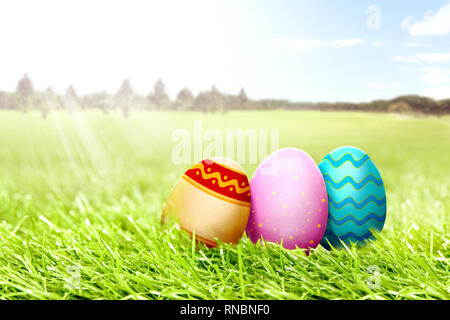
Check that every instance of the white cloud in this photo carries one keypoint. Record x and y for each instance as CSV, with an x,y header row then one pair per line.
x,y
436,75
425,57
411,44
378,43
379,85
309,44
407,22
438,93
346,43
432,24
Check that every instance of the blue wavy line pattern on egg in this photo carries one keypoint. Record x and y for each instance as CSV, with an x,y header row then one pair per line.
x,y
347,157
357,205
348,179
350,217
356,196
348,235
343,171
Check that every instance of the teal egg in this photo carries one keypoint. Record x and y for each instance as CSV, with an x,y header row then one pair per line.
x,y
356,197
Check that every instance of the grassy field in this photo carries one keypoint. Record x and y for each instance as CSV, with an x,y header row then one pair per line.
x,y
81,197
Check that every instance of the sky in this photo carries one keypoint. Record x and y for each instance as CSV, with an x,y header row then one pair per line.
x,y
298,50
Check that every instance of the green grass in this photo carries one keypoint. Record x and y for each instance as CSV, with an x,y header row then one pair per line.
x,y
85,193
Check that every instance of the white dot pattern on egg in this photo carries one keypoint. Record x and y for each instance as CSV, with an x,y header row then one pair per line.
x,y
288,200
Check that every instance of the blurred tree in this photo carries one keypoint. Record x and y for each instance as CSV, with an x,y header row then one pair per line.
x,y
71,93
11,101
185,99
124,96
2,100
49,102
237,102
217,100
159,96
242,98
201,102
417,103
141,102
400,107
125,90
99,100
243,95
25,92
376,105
210,101
71,99
443,107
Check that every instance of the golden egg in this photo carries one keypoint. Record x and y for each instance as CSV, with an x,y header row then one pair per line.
x,y
212,198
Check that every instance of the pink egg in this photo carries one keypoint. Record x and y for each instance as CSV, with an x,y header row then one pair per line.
x,y
288,200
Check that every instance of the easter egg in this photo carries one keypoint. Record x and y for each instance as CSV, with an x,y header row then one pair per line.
x,y
356,196
289,201
213,199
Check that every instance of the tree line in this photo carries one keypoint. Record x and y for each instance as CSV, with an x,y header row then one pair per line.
x,y
26,98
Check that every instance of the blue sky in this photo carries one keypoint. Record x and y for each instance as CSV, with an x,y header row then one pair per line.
x,y
297,50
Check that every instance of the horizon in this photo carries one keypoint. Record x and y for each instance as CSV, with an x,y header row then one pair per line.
x,y
301,52
173,98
